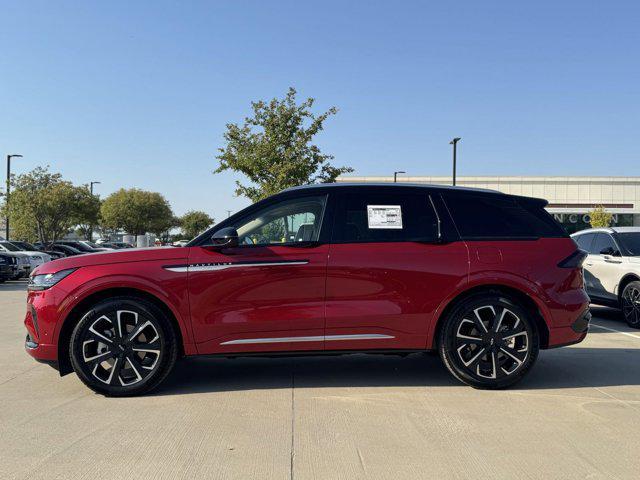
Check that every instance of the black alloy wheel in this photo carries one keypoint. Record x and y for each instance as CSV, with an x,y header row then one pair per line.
x,y
631,304
489,341
123,346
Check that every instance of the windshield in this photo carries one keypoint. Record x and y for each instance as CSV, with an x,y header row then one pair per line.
x,y
91,244
9,246
631,241
78,246
25,246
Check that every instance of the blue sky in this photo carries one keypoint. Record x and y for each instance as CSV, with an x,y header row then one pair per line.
x,y
137,94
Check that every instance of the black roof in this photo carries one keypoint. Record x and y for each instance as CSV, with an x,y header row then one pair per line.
x,y
389,185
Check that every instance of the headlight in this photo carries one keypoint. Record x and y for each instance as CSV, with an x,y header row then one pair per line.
x,y
47,280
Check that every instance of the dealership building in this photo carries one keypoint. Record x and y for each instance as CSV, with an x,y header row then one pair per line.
x,y
570,198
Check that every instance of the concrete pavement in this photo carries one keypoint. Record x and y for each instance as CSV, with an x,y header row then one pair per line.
x,y
577,415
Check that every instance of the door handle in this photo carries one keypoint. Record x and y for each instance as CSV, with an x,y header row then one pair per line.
x,y
608,260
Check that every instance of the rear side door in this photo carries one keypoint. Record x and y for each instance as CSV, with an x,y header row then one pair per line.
x,y
604,266
268,293
388,269
584,242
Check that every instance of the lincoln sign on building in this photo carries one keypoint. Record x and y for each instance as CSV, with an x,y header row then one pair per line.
x,y
570,198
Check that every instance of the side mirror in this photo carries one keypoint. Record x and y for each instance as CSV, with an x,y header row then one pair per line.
x,y
610,251
225,238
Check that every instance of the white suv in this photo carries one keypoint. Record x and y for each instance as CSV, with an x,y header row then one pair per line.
x,y
612,268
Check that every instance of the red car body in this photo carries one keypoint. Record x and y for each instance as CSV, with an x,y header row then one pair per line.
x,y
322,296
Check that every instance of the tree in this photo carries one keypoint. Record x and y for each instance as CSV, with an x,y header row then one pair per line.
x,y
45,207
88,213
280,154
194,222
136,212
599,217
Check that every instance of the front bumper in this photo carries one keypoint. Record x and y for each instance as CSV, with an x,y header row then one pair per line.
x,y
41,319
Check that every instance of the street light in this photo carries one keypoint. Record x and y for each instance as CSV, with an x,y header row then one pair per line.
x,y
91,184
395,176
454,142
9,157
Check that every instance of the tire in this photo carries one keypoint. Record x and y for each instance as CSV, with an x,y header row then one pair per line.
x,y
630,304
478,355
126,362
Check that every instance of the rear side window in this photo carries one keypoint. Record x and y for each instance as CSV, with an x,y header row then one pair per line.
x,y
584,241
602,242
375,217
481,217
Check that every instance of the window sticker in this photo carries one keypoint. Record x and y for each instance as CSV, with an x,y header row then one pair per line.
x,y
384,216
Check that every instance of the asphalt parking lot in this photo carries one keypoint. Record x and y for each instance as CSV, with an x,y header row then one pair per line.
x,y
577,415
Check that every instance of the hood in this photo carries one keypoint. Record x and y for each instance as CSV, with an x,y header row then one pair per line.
x,y
16,254
32,254
114,256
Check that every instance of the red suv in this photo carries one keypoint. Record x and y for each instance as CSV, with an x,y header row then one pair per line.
x,y
486,279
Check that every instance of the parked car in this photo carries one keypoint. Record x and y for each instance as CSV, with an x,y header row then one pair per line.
x,y
612,268
21,264
484,278
83,246
180,243
27,247
65,250
115,245
35,258
8,267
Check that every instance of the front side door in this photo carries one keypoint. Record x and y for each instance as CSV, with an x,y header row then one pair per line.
x,y
268,293
603,267
388,270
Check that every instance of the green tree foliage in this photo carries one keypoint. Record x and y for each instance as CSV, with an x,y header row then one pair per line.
x,y
137,212
194,222
90,206
599,217
274,148
45,207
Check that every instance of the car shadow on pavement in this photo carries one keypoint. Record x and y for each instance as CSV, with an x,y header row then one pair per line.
x,y
573,367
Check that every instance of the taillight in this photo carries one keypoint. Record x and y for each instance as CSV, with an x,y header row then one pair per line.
x,y
574,260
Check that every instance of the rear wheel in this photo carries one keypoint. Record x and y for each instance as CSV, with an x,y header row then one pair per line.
x,y
123,346
630,304
489,341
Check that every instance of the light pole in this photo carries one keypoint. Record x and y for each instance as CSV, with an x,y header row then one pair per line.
x,y
395,176
228,213
91,184
9,157
454,142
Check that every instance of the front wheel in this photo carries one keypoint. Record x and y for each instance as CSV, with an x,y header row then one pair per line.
x,y
489,341
123,346
631,304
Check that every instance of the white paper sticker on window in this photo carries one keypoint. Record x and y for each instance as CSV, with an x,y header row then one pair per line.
x,y
384,216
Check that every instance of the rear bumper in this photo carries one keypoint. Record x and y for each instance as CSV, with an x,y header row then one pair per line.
x,y
572,334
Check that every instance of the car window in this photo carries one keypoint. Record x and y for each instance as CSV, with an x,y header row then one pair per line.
x,y
584,241
631,241
602,241
480,217
289,221
9,247
375,217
